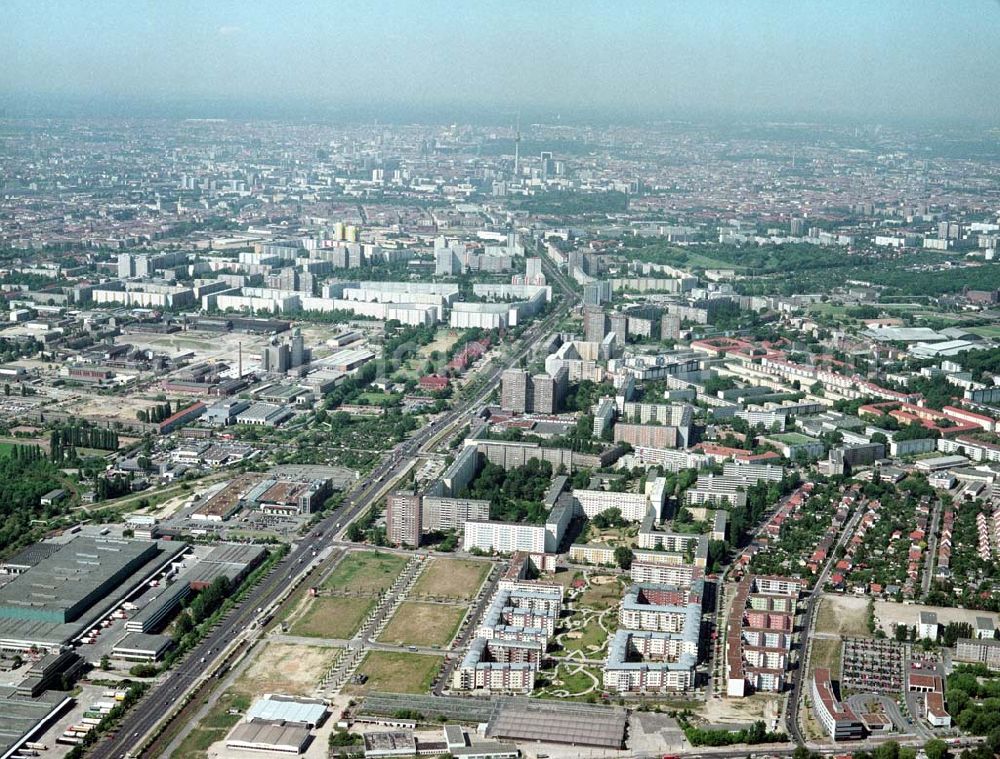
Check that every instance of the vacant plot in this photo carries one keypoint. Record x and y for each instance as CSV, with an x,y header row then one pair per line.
x,y
213,727
566,578
397,672
601,596
826,652
452,578
443,340
889,614
285,668
423,624
844,615
764,706
365,572
336,617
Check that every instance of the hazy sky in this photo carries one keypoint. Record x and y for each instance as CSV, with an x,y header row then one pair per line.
x,y
865,59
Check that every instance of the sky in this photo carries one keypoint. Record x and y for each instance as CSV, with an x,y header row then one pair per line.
x,y
869,60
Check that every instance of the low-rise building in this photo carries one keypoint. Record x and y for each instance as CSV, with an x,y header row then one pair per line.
x,y
839,721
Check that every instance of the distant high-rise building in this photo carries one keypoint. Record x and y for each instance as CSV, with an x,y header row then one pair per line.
x,y
595,324
297,349
307,283
670,327
549,391
126,268
445,262
548,168
402,518
798,227
596,293
516,391
619,325
949,230
533,274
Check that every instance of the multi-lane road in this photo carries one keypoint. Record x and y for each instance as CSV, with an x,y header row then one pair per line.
x,y
158,702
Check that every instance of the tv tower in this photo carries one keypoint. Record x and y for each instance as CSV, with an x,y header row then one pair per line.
x,y
517,147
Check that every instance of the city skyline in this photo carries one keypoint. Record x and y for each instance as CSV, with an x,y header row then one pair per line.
x,y
438,61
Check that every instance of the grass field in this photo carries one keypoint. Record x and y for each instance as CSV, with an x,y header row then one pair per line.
x,y
376,398
591,635
826,652
453,578
397,672
829,309
601,596
365,572
987,331
337,617
422,624
213,727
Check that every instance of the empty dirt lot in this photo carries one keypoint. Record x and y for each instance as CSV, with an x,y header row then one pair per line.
x,y
843,615
285,668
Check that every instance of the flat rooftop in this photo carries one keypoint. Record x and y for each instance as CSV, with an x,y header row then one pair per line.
x,y
21,715
277,708
576,724
61,587
20,632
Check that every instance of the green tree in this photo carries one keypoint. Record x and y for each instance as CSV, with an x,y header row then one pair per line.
x,y
624,557
936,749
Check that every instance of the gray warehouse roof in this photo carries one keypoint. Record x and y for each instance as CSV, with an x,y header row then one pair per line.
x,y
20,715
31,555
577,725
268,736
57,588
19,632
143,643
287,709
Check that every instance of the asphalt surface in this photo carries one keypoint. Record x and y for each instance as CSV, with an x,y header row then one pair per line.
x,y
142,718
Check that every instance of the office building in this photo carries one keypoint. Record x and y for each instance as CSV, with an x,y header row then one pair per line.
x,y
839,721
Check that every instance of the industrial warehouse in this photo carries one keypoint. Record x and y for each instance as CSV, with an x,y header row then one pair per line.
x,y
50,604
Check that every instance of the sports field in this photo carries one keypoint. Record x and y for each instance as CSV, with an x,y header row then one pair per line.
x,y
988,331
